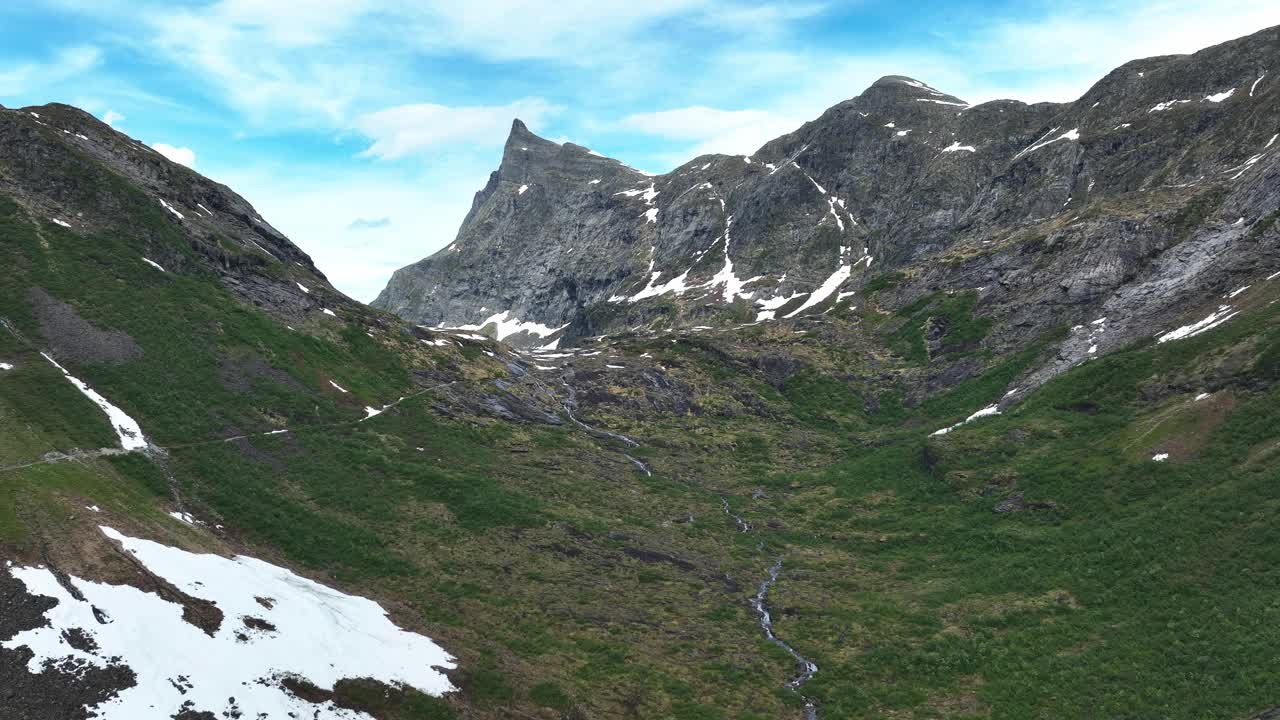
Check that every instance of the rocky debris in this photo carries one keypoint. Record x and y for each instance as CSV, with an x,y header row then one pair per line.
x,y
1018,502
76,339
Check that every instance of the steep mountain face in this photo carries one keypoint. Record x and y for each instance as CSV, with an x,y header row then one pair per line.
x,y
65,164
1137,202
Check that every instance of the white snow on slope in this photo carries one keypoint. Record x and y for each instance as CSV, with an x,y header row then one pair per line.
x,y
63,223
674,285
127,429
205,209
651,215
1221,315
339,387
830,285
1237,291
943,102
153,264
1219,97
1244,167
733,285
320,635
329,312
5,366
984,412
523,189
303,288
1255,84
648,194
507,325
957,147
1161,107
768,307
169,207
1073,134
1161,457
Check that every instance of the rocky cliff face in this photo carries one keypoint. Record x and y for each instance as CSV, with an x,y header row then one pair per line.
x,y
61,163
1142,202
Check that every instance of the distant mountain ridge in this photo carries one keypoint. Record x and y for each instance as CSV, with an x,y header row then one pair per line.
x,y
1136,202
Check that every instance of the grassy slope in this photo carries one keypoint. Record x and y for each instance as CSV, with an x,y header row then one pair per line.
x,y
571,585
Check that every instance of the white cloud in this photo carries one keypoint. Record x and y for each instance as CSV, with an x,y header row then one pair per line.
x,y
411,129
111,117
180,155
733,132
67,63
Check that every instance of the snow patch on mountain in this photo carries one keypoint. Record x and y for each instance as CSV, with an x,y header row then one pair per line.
x,y
276,626
127,429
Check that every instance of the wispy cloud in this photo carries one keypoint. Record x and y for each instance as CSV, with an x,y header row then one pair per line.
x,y
711,130
66,63
369,224
411,129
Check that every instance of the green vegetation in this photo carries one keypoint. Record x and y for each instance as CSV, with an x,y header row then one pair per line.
x,y
570,583
948,318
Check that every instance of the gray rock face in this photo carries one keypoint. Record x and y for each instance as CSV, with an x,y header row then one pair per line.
x,y
1142,202
63,164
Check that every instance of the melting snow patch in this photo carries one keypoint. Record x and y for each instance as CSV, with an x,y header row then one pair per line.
x,y
829,286
1219,97
1073,134
169,207
63,223
303,288
305,630
984,412
327,311
943,102
1201,396
372,412
187,518
153,264
1161,107
1237,291
205,209
339,387
93,508
1221,315
5,366
594,182
507,325
523,189
1161,457
1255,83
957,147
127,429
902,133
651,215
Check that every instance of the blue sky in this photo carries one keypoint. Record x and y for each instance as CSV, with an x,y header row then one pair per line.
x,y
362,128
